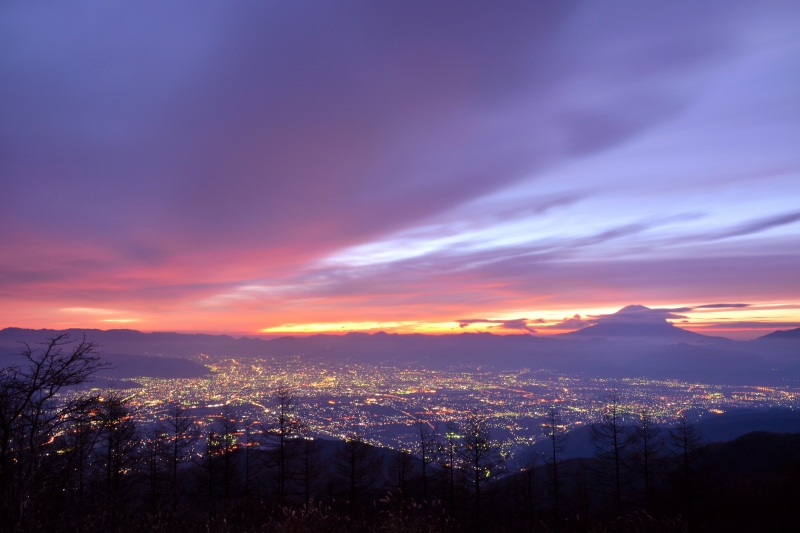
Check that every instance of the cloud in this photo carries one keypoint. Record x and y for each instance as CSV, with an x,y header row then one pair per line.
x,y
569,323
721,306
637,314
610,234
521,324
771,325
634,314
382,117
759,225
267,131
168,161
516,323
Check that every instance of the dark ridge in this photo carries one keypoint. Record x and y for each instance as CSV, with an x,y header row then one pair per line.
x,y
789,334
712,427
637,355
125,366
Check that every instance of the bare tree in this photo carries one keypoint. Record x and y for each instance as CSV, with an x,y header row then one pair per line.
x,y
687,444
209,461
178,437
527,484
556,441
611,442
81,441
402,470
154,460
449,459
247,443
31,418
480,459
426,445
117,440
647,444
310,468
226,429
286,426
358,466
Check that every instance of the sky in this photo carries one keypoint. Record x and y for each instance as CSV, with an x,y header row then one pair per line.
x,y
281,167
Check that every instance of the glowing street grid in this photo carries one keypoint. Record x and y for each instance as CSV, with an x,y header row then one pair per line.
x,y
382,403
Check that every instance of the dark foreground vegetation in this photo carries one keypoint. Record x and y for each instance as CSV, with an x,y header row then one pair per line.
x,y
82,464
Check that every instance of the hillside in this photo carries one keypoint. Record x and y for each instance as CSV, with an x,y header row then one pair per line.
x,y
712,428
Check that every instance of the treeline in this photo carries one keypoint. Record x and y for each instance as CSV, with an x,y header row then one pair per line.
x,y
80,463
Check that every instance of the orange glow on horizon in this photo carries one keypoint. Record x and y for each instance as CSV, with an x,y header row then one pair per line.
x,y
247,318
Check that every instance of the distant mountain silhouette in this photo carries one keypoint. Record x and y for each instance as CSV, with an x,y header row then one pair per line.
x,y
642,323
128,341
665,331
790,334
635,342
782,346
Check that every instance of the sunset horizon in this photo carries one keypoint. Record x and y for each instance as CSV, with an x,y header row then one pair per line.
x,y
654,162
376,266
708,319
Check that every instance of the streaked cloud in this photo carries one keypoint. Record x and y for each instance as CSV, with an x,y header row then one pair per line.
x,y
241,167
513,324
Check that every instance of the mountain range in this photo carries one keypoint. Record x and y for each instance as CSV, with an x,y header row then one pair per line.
x,y
625,345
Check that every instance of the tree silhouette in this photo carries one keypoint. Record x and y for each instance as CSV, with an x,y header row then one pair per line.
x,y
81,442
556,441
402,470
611,443
177,440
153,447
30,418
285,426
686,442
359,467
480,458
426,446
311,468
449,459
647,444
226,429
527,484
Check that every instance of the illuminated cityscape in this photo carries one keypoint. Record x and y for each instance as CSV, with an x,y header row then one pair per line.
x,y
382,404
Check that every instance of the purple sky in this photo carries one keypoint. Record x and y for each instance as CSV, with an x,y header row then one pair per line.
x,y
310,166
